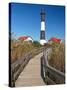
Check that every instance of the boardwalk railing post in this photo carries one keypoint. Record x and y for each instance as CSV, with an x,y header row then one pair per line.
x,y
12,80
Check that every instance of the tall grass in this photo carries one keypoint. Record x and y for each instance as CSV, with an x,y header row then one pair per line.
x,y
57,57
19,49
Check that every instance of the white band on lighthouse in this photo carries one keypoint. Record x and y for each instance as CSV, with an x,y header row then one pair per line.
x,y
42,25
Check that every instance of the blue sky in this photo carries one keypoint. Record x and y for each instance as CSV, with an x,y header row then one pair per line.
x,y
25,20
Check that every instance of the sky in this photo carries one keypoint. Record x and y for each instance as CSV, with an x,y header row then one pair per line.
x,y
26,20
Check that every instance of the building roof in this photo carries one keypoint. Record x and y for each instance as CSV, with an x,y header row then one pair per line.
x,y
23,37
55,40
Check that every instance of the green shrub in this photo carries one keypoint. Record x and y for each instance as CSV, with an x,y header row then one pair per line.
x,y
36,44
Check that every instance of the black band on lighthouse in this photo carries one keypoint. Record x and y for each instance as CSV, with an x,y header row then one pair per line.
x,y
42,15
42,35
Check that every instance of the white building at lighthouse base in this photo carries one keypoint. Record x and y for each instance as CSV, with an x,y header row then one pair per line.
x,y
42,42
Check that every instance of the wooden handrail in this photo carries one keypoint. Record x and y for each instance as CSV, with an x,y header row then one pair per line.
x,y
52,75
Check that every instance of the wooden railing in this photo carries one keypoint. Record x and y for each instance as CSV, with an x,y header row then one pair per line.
x,y
51,75
18,66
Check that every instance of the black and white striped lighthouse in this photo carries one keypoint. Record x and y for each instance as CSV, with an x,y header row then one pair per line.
x,y
42,32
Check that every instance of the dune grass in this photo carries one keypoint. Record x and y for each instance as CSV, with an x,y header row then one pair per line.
x,y
19,49
57,57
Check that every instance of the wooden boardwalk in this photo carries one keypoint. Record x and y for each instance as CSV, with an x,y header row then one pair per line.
x,y
31,75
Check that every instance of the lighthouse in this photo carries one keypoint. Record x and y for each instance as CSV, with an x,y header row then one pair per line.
x,y
42,32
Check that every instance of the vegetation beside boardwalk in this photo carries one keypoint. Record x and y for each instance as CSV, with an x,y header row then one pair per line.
x,y
20,48
57,57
